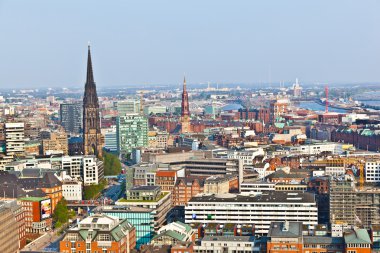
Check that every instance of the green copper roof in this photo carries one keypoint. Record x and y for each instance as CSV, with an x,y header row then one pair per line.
x,y
172,234
358,236
32,199
187,227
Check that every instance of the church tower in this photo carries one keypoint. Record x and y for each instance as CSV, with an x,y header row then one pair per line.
x,y
185,115
92,138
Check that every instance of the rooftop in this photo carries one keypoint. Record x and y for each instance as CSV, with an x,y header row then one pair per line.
x,y
358,236
285,229
229,238
163,194
267,197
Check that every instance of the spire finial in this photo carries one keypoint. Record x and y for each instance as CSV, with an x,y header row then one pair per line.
x,y
90,75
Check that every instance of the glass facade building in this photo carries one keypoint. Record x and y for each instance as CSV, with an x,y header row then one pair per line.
x,y
141,218
132,132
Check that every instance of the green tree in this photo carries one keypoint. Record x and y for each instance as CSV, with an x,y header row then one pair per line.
x,y
92,191
61,213
112,165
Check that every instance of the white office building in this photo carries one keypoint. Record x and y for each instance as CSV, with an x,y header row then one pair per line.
x,y
227,244
87,168
246,156
259,209
14,138
256,186
316,148
72,189
372,171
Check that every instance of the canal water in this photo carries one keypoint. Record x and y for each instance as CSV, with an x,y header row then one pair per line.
x,y
313,106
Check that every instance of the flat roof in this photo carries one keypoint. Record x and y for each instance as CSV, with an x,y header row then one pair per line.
x,y
229,238
268,197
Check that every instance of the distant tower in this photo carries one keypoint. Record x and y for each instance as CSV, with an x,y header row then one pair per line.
x,y
297,90
327,99
92,138
185,115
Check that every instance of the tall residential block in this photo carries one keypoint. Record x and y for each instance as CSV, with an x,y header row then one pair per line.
x,y
71,116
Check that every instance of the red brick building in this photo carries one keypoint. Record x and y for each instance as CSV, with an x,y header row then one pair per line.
x,y
166,179
185,188
118,236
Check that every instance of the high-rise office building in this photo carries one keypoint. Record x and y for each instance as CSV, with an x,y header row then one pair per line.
x,y
132,132
14,138
71,116
110,138
92,137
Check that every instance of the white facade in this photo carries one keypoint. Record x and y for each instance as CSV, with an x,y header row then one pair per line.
x,y
72,189
90,170
87,168
14,138
246,156
372,171
251,187
317,148
335,171
225,244
260,210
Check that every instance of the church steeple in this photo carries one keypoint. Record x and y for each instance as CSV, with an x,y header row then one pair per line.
x,y
185,115
92,139
185,100
90,74
90,94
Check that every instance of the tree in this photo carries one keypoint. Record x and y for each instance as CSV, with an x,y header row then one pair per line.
x,y
91,191
112,165
61,213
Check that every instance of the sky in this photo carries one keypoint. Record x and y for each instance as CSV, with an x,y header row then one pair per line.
x,y
43,43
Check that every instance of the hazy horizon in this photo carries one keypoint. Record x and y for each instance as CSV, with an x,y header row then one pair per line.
x,y
44,44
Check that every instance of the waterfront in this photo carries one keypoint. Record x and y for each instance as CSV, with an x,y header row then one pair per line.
x,y
311,105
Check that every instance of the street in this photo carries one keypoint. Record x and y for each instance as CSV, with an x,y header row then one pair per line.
x,y
42,242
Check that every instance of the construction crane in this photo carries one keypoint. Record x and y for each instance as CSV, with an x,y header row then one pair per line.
x,y
345,162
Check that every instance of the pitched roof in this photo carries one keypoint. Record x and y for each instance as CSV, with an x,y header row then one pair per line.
x,y
357,236
172,234
49,180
